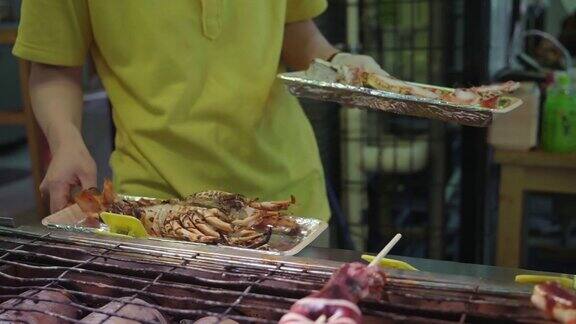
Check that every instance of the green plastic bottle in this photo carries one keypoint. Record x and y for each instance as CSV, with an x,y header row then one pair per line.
x,y
559,122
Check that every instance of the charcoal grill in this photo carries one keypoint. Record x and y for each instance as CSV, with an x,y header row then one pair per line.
x,y
185,284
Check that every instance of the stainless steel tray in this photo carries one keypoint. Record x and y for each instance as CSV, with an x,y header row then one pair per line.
x,y
302,86
69,219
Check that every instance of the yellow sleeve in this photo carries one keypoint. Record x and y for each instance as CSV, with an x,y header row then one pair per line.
x,y
298,10
56,32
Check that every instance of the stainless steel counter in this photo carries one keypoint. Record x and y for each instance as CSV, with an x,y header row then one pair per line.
x,y
496,275
491,273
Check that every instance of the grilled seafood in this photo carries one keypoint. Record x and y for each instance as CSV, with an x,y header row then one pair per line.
x,y
484,96
234,204
556,301
241,211
198,224
204,217
337,301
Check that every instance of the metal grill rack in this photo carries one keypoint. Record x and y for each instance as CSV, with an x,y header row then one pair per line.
x,y
187,285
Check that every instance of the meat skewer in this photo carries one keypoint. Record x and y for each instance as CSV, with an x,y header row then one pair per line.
x,y
556,301
336,302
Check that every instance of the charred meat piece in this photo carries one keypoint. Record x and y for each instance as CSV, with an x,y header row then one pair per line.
x,y
33,311
141,312
337,301
556,301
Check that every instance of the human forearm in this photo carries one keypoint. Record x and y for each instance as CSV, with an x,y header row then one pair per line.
x,y
56,95
303,42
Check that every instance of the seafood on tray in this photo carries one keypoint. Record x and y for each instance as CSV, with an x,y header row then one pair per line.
x,y
336,302
491,96
556,301
215,217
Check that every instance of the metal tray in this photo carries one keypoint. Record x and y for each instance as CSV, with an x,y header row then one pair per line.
x,y
301,85
70,218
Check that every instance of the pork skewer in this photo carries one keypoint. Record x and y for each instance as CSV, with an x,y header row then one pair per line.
x,y
336,302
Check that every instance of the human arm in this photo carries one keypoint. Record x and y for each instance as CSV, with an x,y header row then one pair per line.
x,y
56,96
303,42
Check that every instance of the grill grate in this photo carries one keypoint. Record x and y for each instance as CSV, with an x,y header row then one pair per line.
x,y
193,284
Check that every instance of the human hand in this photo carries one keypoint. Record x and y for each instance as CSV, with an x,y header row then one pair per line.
x,y
363,62
71,166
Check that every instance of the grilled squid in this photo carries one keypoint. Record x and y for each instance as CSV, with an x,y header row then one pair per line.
x,y
556,301
336,302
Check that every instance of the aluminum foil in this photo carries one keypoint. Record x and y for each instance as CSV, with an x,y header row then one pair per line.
x,y
302,86
70,219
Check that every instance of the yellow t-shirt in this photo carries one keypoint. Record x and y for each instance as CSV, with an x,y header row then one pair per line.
x,y
193,86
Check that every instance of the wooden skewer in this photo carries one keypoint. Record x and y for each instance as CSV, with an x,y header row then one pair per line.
x,y
385,250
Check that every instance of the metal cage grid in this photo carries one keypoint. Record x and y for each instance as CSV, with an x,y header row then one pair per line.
x,y
417,191
186,286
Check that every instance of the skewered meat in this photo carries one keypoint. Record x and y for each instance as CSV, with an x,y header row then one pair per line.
x,y
32,311
558,302
140,312
337,301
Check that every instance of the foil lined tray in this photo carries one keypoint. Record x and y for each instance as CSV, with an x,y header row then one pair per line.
x,y
300,85
71,218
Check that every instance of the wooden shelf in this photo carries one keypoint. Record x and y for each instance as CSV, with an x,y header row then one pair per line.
x,y
536,158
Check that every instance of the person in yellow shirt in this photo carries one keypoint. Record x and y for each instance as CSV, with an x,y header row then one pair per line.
x,y
196,102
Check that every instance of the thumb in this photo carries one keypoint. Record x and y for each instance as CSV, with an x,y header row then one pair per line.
x,y
87,179
59,192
